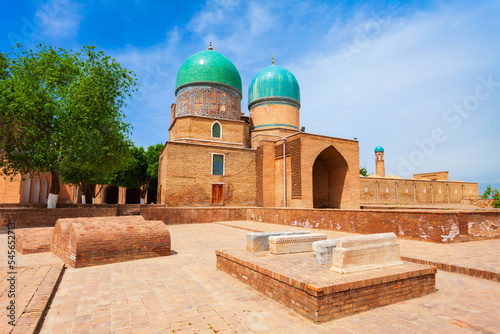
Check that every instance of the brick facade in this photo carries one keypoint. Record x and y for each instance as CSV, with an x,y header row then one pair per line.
x,y
186,175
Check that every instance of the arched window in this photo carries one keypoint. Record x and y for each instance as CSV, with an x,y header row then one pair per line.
x,y
216,130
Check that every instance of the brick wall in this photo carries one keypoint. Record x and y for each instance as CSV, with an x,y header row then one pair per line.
x,y
83,242
41,217
172,216
479,202
434,226
405,191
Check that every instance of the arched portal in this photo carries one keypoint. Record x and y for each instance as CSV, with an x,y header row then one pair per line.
x,y
132,196
110,195
151,197
329,173
26,188
36,190
88,195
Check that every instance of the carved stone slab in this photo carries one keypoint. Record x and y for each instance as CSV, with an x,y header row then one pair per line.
x,y
258,242
324,250
287,244
365,252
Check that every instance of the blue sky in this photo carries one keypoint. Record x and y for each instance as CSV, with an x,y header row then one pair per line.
x,y
420,78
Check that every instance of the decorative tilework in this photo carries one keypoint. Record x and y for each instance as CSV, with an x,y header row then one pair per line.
x,y
210,101
273,125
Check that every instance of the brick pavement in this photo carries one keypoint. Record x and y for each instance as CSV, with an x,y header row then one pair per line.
x,y
185,293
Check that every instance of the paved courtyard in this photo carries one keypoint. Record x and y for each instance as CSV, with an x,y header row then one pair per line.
x,y
185,293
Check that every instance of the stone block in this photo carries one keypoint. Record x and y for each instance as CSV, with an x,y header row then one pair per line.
x,y
286,244
258,242
323,249
365,252
83,242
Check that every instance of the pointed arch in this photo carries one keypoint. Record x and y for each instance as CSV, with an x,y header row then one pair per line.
x,y
216,130
110,194
329,174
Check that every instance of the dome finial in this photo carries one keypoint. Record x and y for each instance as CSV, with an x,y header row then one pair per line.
x,y
273,58
210,46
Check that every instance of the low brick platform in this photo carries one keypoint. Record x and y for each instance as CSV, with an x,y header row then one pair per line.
x,y
33,240
316,292
84,242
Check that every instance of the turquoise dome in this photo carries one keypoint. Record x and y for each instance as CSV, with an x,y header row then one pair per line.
x,y
379,149
208,66
274,84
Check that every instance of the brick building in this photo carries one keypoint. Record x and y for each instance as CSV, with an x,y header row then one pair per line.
x,y
216,155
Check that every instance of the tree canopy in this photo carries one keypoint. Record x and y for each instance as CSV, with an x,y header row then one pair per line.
x,y
61,110
141,172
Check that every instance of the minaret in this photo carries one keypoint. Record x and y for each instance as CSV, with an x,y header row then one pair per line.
x,y
379,161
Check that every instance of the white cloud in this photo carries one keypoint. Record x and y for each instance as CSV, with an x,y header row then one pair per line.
x,y
59,19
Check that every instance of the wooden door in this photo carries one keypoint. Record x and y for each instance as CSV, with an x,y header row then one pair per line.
x,y
217,194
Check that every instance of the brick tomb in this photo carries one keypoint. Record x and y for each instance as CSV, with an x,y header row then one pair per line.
x,y
83,242
319,293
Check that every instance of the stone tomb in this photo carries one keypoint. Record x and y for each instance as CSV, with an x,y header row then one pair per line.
x,y
33,240
365,252
258,242
83,242
321,294
286,244
324,249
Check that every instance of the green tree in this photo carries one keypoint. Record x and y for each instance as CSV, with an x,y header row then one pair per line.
x,y
363,171
141,172
101,153
50,101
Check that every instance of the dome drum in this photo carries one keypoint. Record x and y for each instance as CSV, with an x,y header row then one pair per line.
x,y
214,100
274,100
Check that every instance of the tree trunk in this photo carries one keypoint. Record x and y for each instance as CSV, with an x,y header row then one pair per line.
x,y
84,199
54,190
142,200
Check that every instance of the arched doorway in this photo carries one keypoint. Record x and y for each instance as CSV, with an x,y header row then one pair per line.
x,y
329,173
88,195
151,197
132,196
110,195
26,188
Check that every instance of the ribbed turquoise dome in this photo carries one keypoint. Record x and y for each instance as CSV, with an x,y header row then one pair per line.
x,y
274,83
379,149
208,67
